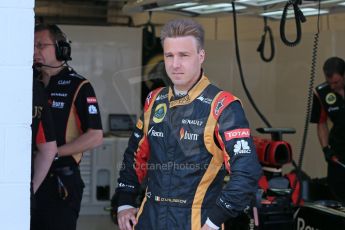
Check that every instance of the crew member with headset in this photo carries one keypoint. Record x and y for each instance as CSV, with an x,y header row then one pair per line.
x,y
78,127
328,102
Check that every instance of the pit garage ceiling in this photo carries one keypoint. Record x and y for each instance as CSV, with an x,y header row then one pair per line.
x,y
82,12
118,12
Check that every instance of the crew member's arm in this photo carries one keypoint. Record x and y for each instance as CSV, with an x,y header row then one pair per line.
x,y
42,162
241,160
89,140
319,116
132,173
323,133
89,119
134,168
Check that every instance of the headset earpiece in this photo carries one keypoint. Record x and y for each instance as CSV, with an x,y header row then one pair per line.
x,y
62,45
63,51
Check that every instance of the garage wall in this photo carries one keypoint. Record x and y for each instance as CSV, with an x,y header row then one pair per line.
x,y
16,23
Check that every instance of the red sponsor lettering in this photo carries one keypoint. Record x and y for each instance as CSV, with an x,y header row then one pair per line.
x,y
236,133
91,100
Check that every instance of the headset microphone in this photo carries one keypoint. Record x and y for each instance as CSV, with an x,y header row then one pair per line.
x,y
39,65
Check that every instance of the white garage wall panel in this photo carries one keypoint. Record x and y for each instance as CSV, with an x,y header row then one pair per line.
x,y
16,23
110,57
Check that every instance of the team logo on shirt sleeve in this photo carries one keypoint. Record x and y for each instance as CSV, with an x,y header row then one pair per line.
x,y
93,109
219,105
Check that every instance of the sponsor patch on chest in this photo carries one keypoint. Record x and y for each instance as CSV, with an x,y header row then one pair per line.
x,y
159,113
58,104
332,109
331,98
64,82
185,135
155,133
192,122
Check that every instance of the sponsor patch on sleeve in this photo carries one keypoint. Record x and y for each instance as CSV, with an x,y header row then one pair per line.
x,y
92,109
91,100
236,133
241,147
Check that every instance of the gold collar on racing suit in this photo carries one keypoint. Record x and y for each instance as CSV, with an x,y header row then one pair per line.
x,y
192,94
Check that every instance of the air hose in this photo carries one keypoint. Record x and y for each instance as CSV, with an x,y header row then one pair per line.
x,y
261,47
241,72
299,17
149,33
309,102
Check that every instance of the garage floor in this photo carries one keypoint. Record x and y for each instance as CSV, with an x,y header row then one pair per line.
x,y
95,222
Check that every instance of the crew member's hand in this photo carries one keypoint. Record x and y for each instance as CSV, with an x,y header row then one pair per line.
x,y
328,152
126,218
206,227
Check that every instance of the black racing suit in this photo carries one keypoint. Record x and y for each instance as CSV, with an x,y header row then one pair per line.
x,y
74,109
185,146
328,104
